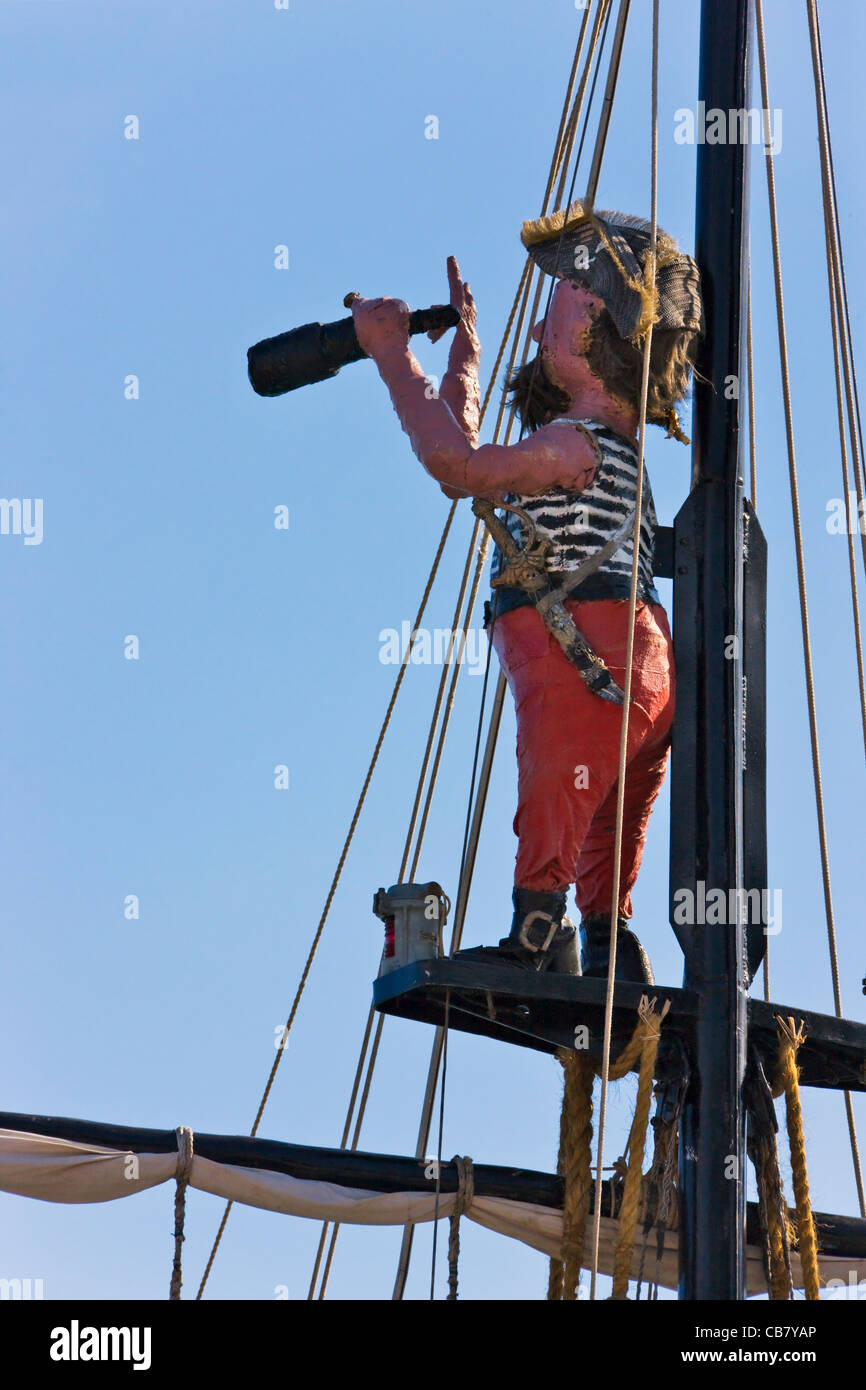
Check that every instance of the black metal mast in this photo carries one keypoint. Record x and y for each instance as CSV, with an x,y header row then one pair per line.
x,y
708,843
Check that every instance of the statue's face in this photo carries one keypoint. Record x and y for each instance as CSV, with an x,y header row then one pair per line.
x,y
563,332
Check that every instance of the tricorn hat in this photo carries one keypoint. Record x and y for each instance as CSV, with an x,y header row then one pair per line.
x,y
606,252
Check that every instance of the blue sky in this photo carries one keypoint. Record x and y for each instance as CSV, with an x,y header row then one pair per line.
x,y
259,647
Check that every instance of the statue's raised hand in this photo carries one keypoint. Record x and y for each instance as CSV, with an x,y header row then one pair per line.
x,y
461,300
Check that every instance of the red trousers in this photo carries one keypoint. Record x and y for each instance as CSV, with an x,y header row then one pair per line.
x,y
568,748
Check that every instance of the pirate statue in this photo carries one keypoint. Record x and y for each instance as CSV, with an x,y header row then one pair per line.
x,y
563,565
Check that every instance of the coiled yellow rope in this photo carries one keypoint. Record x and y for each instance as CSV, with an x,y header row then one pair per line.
x,y
575,1152
791,1038
780,1235
650,1028
575,1166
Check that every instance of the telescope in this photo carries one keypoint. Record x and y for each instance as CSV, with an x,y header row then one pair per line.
x,y
316,351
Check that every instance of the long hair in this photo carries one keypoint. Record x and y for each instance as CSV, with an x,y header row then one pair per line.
x,y
618,364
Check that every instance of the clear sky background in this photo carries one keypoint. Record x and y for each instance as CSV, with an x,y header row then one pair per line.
x,y
260,647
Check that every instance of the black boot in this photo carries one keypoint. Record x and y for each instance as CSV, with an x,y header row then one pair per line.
x,y
538,940
632,961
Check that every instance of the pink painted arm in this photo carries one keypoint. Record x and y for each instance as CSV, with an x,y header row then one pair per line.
x,y
555,455
460,389
461,392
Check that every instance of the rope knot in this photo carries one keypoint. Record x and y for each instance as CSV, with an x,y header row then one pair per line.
x,y
185,1154
462,1202
465,1185
183,1175
652,1021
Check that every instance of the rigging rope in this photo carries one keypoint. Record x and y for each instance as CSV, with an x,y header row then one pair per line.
x,y
834,256
851,391
601,19
607,103
846,493
649,278
801,579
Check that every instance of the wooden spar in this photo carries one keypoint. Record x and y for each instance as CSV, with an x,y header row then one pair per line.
x,y
541,1011
839,1235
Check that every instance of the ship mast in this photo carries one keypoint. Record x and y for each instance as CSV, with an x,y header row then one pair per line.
x,y
718,807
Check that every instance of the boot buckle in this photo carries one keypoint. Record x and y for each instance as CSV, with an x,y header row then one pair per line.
x,y
524,937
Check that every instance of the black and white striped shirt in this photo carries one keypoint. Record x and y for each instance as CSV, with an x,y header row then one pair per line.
x,y
579,524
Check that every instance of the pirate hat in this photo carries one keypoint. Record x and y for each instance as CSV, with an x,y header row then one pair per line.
x,y
606,252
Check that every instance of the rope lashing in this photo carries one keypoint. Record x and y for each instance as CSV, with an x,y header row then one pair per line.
x,y
575,1146
183,1173
791,1038
462,1203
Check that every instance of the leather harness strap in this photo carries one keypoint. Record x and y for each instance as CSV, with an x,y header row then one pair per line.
x,y
526,568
